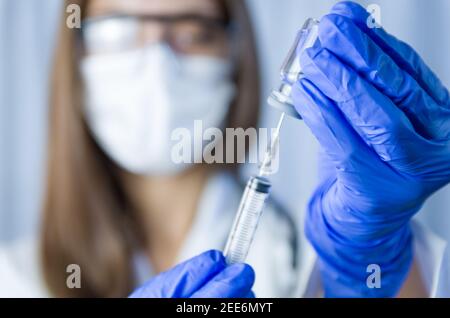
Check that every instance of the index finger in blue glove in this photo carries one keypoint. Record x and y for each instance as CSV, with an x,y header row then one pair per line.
x,y
403,55
344,39
379,122
235,281
352,159
336,136
184,279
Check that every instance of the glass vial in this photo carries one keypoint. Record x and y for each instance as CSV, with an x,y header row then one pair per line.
x,y
291,69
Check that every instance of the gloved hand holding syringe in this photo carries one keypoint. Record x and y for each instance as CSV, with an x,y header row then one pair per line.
x,y
258,187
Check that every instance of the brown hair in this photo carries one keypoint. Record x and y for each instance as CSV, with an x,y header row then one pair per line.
x,y
84,220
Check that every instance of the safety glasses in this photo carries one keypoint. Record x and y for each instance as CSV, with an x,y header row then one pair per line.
x,y
186,34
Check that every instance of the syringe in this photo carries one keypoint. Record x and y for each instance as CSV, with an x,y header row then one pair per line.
x,y
251,205
258,187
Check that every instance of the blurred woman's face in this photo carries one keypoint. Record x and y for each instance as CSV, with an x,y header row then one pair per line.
x,y
151,67
188,26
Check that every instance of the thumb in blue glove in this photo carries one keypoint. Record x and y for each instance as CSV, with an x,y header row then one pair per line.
x,y
204,276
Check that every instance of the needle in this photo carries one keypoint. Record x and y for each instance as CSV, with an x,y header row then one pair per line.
x,y
268,156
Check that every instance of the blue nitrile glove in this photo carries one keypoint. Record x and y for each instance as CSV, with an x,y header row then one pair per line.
x,y
383,119
204,276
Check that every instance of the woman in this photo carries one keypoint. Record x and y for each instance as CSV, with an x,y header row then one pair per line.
x,y
119,208
116,204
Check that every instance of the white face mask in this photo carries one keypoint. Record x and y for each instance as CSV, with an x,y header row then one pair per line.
x,y
135,100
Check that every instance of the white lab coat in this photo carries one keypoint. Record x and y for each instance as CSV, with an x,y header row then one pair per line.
x,y
271,254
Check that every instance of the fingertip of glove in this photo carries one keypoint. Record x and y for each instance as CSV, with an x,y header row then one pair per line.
x,y
234,281
298,92
305,86
331,26
307,56
299,96
350,10
242,270
316,61
251,294
305,95
249,272
215,256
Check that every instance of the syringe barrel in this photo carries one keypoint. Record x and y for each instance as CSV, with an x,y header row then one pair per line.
x,y
246,220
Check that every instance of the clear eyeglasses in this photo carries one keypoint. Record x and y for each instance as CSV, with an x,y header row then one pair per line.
x,y
186,34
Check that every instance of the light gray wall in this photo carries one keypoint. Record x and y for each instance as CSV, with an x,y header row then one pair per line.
x,y
26,37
